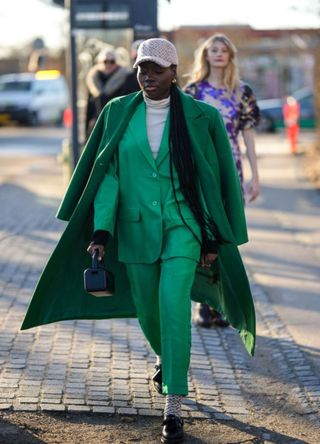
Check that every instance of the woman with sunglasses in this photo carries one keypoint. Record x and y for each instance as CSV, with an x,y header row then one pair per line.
x,y
157,193
106,80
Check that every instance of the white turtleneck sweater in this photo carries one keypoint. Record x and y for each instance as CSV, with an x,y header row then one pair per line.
x,y
156,116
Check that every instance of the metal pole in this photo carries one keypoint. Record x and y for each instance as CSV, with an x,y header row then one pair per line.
x,y
74,86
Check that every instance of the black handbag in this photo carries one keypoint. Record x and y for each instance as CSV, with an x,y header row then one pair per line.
x,y
97,280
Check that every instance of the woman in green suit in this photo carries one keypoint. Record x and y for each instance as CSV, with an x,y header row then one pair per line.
x,y
157,187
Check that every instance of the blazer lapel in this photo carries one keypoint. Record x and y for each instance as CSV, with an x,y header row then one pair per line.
x,y
138,129
197,124
164,146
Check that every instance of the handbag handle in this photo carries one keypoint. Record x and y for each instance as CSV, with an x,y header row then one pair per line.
x,y
95,262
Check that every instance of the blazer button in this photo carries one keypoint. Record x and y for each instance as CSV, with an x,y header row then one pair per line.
x,y
154,203
154,174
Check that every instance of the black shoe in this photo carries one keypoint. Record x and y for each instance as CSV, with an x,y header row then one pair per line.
x,y
204,317
157,378
219,320
172,431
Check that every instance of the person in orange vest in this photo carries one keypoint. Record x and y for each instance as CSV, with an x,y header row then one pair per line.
x,y
291,114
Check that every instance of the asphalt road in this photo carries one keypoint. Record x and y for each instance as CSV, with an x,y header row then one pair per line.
x,y
26,141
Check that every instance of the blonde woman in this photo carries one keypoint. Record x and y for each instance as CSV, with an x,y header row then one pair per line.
x,y
215,80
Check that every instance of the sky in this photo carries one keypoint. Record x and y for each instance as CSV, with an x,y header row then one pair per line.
x,y
260,14
36,18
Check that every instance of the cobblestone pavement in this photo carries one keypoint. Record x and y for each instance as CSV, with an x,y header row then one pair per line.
x,y
105,366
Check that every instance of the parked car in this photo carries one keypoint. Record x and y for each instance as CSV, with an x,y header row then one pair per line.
x,y
271,111
33,98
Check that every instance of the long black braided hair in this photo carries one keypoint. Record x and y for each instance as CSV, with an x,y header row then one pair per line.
x,y
181,158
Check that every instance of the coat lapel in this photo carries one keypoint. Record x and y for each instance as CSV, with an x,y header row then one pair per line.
x,y
197,122
121,118
198,127
97,152
138,129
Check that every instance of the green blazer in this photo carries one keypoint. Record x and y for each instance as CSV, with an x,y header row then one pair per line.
x,y
59,294
136,197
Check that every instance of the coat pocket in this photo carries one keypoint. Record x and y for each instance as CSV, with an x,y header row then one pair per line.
x,y
129,214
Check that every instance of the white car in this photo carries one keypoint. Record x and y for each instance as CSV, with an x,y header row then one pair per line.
x,y
33,98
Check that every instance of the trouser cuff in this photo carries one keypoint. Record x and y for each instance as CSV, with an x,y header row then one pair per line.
x,y
174,390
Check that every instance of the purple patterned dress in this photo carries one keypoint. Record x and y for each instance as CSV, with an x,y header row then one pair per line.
x,y
239,111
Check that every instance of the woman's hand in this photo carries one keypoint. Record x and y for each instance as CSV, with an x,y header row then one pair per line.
x,y
252,189
92,247
208,259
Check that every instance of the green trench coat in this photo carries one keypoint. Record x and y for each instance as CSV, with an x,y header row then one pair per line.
x,y
59,294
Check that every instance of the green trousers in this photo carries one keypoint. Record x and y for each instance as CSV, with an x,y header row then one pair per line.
x,y
164,313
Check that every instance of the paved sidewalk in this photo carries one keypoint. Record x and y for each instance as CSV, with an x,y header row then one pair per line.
x,y
99,366
104,366
283,260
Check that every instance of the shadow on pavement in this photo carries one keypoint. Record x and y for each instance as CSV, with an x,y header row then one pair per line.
x,y
11,433
147,430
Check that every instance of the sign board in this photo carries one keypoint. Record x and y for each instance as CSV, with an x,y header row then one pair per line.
x,y
103,15
117,14
140,15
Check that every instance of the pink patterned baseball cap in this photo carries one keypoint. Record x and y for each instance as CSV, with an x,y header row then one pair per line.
x,y
160,51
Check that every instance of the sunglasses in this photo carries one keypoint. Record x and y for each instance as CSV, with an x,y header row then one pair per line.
x,y
109,62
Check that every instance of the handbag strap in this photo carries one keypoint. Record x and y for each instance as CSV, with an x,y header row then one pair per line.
x,y
96,264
